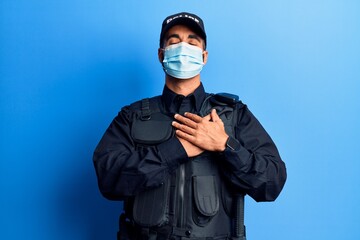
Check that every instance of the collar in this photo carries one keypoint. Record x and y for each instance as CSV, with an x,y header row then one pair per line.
x,y
170,98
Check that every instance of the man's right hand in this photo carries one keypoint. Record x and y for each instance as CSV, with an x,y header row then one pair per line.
x,y
191,149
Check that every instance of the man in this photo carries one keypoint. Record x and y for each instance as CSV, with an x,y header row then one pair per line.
x,y
183,161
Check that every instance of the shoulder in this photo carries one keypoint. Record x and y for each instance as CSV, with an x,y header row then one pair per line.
x,y
226,99
139,104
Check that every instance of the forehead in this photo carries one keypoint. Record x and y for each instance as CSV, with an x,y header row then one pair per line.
x,y
180,28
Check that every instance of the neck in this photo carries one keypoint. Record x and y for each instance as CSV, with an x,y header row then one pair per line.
x,y
182,86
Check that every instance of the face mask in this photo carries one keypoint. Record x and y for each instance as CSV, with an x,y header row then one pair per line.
x,y
183,60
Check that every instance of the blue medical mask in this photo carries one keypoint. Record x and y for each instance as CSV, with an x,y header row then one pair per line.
x,y
183,60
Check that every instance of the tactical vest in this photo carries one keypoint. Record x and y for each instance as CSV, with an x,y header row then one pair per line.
x,y
193,203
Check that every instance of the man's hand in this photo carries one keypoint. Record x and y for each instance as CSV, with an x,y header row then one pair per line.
x,y
207,133
191,149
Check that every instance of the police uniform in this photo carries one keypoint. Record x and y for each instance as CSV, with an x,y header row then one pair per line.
x,y
171,196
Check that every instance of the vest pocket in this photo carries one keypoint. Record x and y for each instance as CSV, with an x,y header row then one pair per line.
x,y
206,198
151,208
152,131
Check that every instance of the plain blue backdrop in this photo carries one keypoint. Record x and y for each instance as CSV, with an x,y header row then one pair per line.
x,y
67,67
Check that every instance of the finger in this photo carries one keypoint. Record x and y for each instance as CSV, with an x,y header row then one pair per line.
x,y
194,117
183,128
184,135
214,116
185,120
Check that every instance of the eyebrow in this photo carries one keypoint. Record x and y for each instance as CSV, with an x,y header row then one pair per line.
x,y
173,36
192,36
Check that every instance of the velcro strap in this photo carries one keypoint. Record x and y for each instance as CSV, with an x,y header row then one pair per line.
x,y
145,109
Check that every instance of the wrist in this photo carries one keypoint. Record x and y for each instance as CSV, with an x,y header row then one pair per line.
x,y
222,146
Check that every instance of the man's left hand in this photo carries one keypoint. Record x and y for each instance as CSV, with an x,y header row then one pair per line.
x,y
205,132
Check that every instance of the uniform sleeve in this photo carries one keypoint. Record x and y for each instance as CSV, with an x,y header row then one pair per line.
x,y
124,170
255,167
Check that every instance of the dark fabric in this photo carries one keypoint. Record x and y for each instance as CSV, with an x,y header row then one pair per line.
x,y
125,169
178,103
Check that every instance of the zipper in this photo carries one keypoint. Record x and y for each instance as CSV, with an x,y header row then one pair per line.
x,y
181,197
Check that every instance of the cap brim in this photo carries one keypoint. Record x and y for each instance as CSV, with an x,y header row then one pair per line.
x,y
186,22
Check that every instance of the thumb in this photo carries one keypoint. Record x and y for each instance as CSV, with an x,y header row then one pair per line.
x,y
214,116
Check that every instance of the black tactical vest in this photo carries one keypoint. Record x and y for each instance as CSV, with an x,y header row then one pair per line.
x,y
195,202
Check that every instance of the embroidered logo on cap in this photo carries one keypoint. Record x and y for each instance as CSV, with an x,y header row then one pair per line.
x,y
180,16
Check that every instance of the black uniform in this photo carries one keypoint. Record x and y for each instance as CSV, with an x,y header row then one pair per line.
x,y
127,167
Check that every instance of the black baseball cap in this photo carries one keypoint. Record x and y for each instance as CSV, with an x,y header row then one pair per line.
x,y
190,20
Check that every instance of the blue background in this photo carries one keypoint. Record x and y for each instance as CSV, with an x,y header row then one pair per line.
x,y
67,67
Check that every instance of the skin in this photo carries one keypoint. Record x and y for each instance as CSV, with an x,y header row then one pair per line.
x,y
196,134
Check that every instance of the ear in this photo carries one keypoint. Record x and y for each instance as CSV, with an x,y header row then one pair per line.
x,y
205,56
161,55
